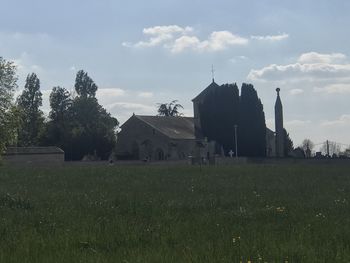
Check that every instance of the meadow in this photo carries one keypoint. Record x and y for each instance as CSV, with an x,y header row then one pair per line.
x,y
256,213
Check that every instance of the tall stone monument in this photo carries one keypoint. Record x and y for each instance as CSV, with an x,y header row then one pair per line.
x,y
279,126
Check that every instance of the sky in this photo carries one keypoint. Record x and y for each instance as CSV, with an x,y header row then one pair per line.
x,y
141,53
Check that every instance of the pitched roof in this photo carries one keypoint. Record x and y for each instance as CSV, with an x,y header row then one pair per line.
x,y
172,127
33,150
211,87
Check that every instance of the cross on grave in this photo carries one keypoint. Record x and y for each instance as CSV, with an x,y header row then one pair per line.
x,y
231,153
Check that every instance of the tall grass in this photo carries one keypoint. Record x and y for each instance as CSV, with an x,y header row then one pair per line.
x,y
130,214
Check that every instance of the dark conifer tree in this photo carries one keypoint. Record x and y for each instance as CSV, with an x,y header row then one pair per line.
x,y
251,127
288,144
219,113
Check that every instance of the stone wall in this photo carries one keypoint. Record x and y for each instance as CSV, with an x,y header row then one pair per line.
x,y
34,158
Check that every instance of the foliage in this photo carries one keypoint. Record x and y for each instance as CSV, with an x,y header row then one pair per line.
x,y
169,109
32,118
80,126
93,129
288,143
219,114
58,128
333,148
8,116
84,85
259,213
60,102
307,143
251,127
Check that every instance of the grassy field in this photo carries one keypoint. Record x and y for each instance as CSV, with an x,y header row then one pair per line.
x,y
175,214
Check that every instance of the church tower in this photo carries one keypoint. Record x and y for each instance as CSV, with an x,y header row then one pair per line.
x,y
197,101
279,126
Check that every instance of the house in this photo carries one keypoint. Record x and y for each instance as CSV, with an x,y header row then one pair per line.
x,y
28,155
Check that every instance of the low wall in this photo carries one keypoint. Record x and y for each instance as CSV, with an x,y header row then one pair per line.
x,y
286,161
33,158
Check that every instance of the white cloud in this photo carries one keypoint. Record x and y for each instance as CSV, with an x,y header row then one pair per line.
x,y
218,40
161,30
341,121
309,66
272,38
110,92
296,91
178,39
314,57
159,35
185,42
339,88
107,96
145,94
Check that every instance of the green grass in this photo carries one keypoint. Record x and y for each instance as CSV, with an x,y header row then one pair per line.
x,y
175,214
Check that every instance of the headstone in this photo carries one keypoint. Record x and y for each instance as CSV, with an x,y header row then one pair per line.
x,y
231,153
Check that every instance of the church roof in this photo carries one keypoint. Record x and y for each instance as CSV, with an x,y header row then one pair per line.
x,y
172,127
208,89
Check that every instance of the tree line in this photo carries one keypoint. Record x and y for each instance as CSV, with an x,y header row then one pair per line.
x,y
77,123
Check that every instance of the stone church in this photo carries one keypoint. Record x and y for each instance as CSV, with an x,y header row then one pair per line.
x,y
157,138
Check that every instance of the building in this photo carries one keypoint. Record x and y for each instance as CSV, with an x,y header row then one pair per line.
x,y
34,155
159,138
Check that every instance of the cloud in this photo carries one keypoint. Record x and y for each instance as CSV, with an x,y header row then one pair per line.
x,y
179,39
314,57
271,38
343,120
145,94
296,91
159,35
339,88
308,67
218,40
108,96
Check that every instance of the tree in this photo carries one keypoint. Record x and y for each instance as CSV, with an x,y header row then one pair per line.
x,y
251,127
307,144
84,85
32,118
169,109
288,143
60,102
92,129
331,148
58,127
219,113
8,116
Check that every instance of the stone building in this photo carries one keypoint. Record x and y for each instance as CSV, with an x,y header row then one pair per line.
x,y
34,155
176,138
158,138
